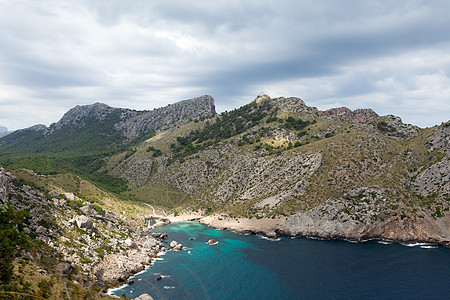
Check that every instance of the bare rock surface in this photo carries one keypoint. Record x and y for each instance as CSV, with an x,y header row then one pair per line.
x,y
118,267
358,116
144,297
436,177
83,222
366,213
162,118
4,186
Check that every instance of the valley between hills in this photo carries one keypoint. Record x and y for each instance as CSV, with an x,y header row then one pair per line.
x,y
84,190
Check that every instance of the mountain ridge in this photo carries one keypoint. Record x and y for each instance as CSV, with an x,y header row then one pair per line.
x,y
279,157
274,166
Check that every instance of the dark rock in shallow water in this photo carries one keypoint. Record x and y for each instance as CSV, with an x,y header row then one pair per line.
x,y
130,282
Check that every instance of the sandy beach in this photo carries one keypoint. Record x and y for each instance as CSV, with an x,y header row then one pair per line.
x,y
267,227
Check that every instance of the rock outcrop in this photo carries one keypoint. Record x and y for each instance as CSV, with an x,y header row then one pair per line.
x,y
358,116
175,245
104,248
436,177
116,268
368,213
243,177
163,118
4,186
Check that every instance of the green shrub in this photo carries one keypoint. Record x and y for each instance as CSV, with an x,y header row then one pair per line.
x,y
12,239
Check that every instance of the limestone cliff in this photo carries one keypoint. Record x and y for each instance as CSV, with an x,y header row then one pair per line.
x,y
370,213
133,123
162,118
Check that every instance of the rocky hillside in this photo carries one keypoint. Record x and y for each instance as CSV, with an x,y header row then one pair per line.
x,y
73,246
86,134
335,173
98,127
132,124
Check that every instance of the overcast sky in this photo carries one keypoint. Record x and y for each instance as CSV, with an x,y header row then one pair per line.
x,y
391,56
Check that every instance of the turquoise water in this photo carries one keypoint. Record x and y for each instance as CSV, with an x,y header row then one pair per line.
x,y
250,267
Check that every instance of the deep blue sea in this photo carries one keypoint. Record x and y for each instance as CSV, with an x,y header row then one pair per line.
x,y
251,267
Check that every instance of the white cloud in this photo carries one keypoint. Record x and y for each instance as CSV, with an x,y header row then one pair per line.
x,y
391,56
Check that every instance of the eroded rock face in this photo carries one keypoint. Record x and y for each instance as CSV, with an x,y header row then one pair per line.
x,y
292,104
4,186
436,178
162,118
238,176
393,126
118,267
358,116
367,213
136,170
440,139
76,115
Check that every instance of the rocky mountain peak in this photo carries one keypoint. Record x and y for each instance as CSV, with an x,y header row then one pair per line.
x,y
292,104
164,117
73,116
358,116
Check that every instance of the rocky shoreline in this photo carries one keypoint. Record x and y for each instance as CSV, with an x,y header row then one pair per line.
x,y
116,269
393,232
405,231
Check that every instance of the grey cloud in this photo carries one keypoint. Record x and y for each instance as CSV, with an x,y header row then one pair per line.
x,y
141,54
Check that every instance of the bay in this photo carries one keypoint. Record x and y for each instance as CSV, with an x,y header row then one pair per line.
x,y
251,267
